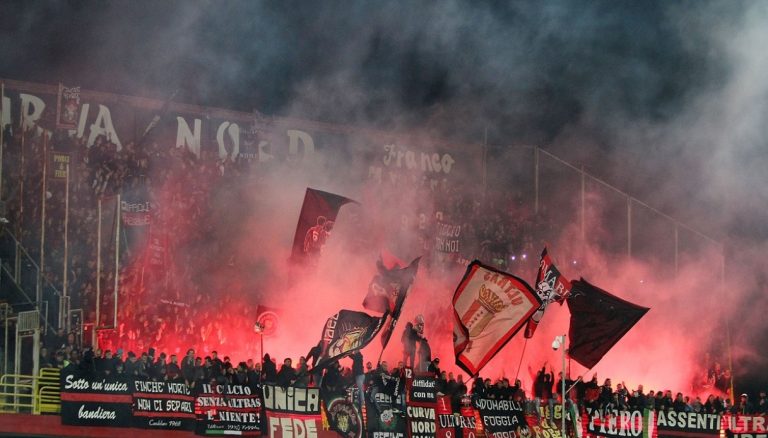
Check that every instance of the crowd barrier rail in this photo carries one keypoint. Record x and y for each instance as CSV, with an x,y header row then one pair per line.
x,y
26,393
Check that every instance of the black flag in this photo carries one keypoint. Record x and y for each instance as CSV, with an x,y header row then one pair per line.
x,y
346,332
598,321
388,290
318,214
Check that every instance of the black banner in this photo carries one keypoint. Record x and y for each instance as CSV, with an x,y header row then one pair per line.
x,y
344,418
346,332
89,401
163,405
385,407
421,404
688,424
58,165
292,412
502,418
227,409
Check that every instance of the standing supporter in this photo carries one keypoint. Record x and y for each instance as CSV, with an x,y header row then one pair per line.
x,y
679,405
606,393
302,373
254,377
241,374
434,367
173,372
269,370
359,374
743,406
159,369
132,365
478,388
188,367
287,375
199,375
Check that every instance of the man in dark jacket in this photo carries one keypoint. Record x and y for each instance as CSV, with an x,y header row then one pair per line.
x,y
410,337
287,375
269,370
188,367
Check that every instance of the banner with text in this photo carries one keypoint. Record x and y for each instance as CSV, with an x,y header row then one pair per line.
x,y
227,410
614,424
384,408
91,401
455,424
502,418
292,412
420,404
163,405
745,426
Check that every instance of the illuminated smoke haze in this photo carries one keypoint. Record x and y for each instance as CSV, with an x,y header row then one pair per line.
x,y
664,101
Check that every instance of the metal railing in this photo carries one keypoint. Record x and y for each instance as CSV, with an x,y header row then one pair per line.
x,y
26,275
40,394
48,391
19,393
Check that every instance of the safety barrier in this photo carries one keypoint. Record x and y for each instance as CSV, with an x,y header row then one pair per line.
x,y
39,394
18,393
48,391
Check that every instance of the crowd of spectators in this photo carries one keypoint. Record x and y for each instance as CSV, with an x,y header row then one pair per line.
x,y
190,196
544,391
171,305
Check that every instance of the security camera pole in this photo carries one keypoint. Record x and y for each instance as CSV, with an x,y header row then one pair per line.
x,y
559,342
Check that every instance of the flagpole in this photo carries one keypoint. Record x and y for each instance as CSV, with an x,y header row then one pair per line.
x,y
519,364
583,204
384,347
536,180
21,208
629,227
98,274
2,134
117,258
41,270
485,160
727,326
65,287
562,380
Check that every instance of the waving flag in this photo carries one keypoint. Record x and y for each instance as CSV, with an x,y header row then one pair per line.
x,y
346,332
389,287
490,306
598,321
551,286
387,293
318,214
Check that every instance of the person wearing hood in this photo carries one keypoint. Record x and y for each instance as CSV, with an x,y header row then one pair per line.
x,y
269,370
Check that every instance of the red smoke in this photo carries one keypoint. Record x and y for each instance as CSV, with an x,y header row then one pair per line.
x,y
232,256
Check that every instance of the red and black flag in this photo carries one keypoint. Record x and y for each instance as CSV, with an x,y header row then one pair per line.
x,y
490,307
388,291
318,214
598,321
551,286
346,332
